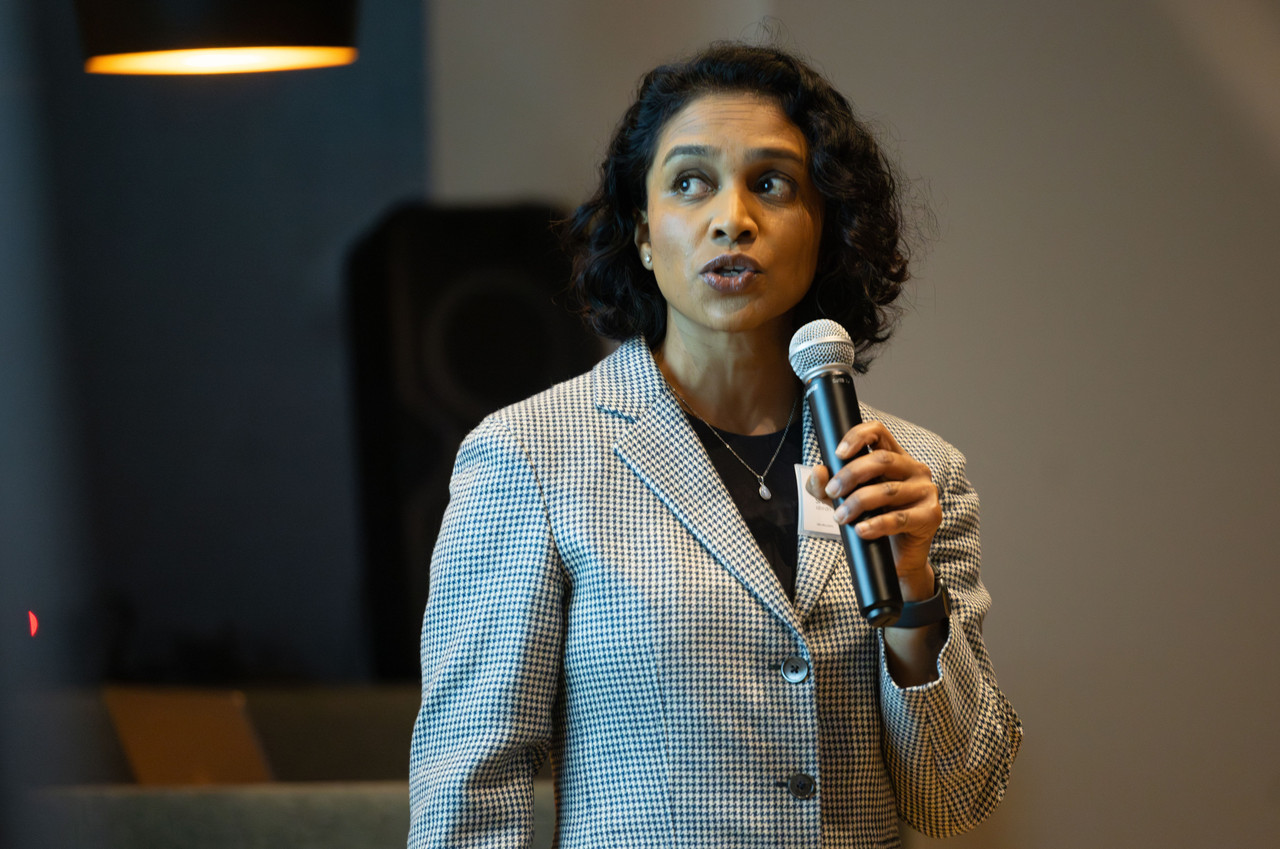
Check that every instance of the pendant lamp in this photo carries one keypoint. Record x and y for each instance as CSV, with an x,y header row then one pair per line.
x,y
215,36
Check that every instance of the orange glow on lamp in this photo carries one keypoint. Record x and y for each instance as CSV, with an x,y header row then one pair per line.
x,y
215,36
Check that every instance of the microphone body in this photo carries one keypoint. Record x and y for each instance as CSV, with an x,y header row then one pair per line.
x,y
826,368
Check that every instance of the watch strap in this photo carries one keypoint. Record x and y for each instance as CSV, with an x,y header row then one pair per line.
x,y
919,614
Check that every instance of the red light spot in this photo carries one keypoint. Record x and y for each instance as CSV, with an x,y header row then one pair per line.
x,y
35,623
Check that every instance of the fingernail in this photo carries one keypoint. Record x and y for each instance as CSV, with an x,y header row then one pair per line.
x,y
863,528
842,513
842,448
833,487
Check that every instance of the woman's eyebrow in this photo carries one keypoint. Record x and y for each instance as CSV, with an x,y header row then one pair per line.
x,y
702,150
686,150
775,153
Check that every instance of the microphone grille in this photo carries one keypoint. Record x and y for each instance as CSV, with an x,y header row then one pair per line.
x,y
820,344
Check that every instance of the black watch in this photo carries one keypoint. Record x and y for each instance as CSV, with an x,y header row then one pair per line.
x,y
918,614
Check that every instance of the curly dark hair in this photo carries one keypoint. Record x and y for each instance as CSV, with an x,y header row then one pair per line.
x,y
862,262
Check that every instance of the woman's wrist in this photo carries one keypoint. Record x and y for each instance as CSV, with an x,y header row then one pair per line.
x,y
917,584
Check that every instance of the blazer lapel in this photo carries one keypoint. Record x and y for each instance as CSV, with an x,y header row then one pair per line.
x,y
662,450
817,558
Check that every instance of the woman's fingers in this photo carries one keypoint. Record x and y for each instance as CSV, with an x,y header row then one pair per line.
x,y
887,495
916,521
866,435
876,439
880,463
890,482
885,479
817,483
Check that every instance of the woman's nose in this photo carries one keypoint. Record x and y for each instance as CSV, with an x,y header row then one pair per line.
x,y
733,221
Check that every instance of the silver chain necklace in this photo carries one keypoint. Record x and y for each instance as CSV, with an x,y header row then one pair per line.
x,y
764,491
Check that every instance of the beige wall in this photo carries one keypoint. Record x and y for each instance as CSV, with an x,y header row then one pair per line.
x,y
524,96
1095,326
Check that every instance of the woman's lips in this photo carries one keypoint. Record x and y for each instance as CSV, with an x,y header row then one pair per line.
x,y
730,272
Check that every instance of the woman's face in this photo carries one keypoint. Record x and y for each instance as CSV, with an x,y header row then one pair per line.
x,y
733,220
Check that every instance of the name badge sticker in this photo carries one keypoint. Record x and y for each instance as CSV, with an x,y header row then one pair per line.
x,y
817,518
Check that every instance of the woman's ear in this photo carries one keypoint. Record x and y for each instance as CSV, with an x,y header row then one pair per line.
x,y
642,240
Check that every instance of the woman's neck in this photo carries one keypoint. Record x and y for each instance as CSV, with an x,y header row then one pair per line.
x,y
738,382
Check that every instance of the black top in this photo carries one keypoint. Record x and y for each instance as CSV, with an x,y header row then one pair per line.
x,y
771,522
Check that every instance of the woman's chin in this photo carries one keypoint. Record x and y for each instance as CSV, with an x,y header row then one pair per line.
x,y
746,318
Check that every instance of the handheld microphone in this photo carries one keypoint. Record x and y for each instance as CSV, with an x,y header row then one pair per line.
x,y
822,354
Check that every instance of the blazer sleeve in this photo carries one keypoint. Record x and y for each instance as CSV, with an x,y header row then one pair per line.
x,y
491,653
949,744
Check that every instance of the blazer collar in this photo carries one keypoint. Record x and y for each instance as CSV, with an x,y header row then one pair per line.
x,y
627,382
666,455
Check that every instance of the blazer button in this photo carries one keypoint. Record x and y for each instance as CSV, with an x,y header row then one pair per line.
x,y
795,669
802,786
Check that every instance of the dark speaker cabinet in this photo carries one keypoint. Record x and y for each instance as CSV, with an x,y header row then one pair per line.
x,y
453,313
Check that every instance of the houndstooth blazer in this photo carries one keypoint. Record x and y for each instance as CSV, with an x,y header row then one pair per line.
x,y
596,596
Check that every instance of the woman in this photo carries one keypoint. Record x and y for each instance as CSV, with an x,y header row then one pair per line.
x,y
619,582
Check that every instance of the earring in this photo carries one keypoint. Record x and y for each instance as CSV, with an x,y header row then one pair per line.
x,y
648,259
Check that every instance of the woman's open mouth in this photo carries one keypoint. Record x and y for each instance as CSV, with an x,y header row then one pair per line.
x,y
730,272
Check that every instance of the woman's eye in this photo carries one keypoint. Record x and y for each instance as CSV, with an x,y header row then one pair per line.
x,y
691,184
778,187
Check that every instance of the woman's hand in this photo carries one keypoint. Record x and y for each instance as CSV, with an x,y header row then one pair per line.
x,y
904,489
887,478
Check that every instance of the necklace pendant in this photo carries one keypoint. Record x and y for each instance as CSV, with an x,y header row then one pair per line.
x,y
764,491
